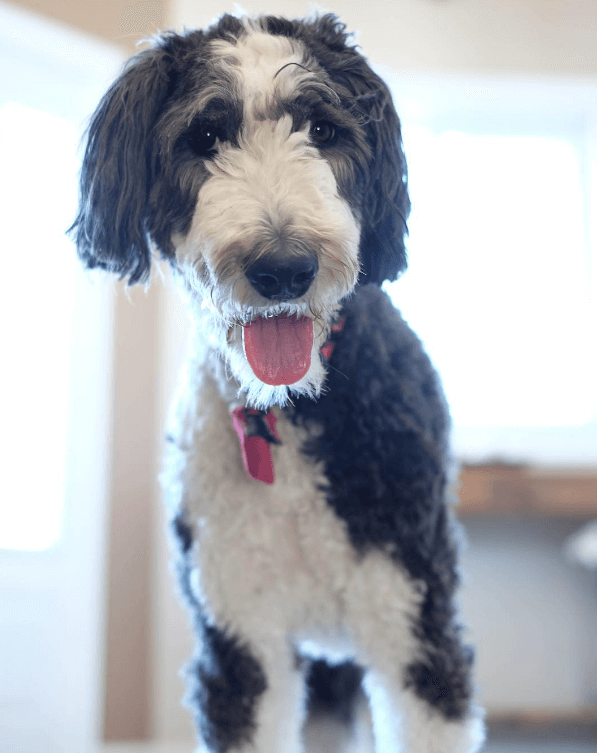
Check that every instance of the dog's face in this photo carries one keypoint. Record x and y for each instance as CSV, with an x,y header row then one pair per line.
x,y
262,158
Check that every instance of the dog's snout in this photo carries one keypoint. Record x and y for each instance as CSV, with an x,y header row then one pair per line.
x,y
283,281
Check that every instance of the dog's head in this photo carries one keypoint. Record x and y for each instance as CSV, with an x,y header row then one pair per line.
x,y
263,159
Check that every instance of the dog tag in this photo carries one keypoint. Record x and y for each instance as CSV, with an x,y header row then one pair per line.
x,y
256,431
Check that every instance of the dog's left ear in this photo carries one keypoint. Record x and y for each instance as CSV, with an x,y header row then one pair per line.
x,y
110,229
385,204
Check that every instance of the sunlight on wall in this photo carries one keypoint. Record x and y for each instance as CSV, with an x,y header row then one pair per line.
x,y
37,195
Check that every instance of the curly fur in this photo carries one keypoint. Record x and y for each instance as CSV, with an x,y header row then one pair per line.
x,y
242,154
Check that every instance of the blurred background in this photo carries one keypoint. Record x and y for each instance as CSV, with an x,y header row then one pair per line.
x,y
499,106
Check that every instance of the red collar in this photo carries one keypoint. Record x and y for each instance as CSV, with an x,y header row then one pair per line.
x,y
256,429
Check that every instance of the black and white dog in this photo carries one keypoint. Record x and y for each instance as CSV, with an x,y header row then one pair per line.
x,y
309,459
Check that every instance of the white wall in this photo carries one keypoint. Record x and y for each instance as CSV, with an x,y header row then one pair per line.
x,y
514,571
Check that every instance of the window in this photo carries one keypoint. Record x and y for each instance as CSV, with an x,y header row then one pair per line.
x,y
38,194
499,286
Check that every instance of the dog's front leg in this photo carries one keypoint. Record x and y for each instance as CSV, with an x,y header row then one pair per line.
x,y
405,723
249,696
417,670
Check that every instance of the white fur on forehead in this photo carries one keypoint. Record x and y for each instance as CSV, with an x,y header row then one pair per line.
x,y
256,59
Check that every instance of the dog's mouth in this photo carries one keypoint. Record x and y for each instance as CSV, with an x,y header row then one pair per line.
x,y
278,348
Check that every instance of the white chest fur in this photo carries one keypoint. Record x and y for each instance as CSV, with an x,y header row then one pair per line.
x,y
272,559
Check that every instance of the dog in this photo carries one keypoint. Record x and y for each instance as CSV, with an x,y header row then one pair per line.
x,y
308,465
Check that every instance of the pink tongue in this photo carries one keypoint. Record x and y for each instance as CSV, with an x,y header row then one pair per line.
x,y
278,349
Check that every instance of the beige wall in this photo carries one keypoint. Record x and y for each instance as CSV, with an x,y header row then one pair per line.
x,y
505,35
117,21
133,494
530,36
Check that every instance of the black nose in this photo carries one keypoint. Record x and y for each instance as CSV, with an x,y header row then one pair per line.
x,y
283,281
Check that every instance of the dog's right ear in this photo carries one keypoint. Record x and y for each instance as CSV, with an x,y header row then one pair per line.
x,y
110,229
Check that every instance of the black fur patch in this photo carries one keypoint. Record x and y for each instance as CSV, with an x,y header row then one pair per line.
x,y
138,182
383,442
183,532
443,678
227,681
333,689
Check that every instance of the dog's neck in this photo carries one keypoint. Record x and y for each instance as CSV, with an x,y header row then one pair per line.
x,y
256,429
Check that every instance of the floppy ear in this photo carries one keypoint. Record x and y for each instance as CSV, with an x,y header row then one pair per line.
x,y
385,202
118,169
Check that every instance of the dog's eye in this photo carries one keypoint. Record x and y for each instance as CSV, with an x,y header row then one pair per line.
x,y
203,140
323,133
